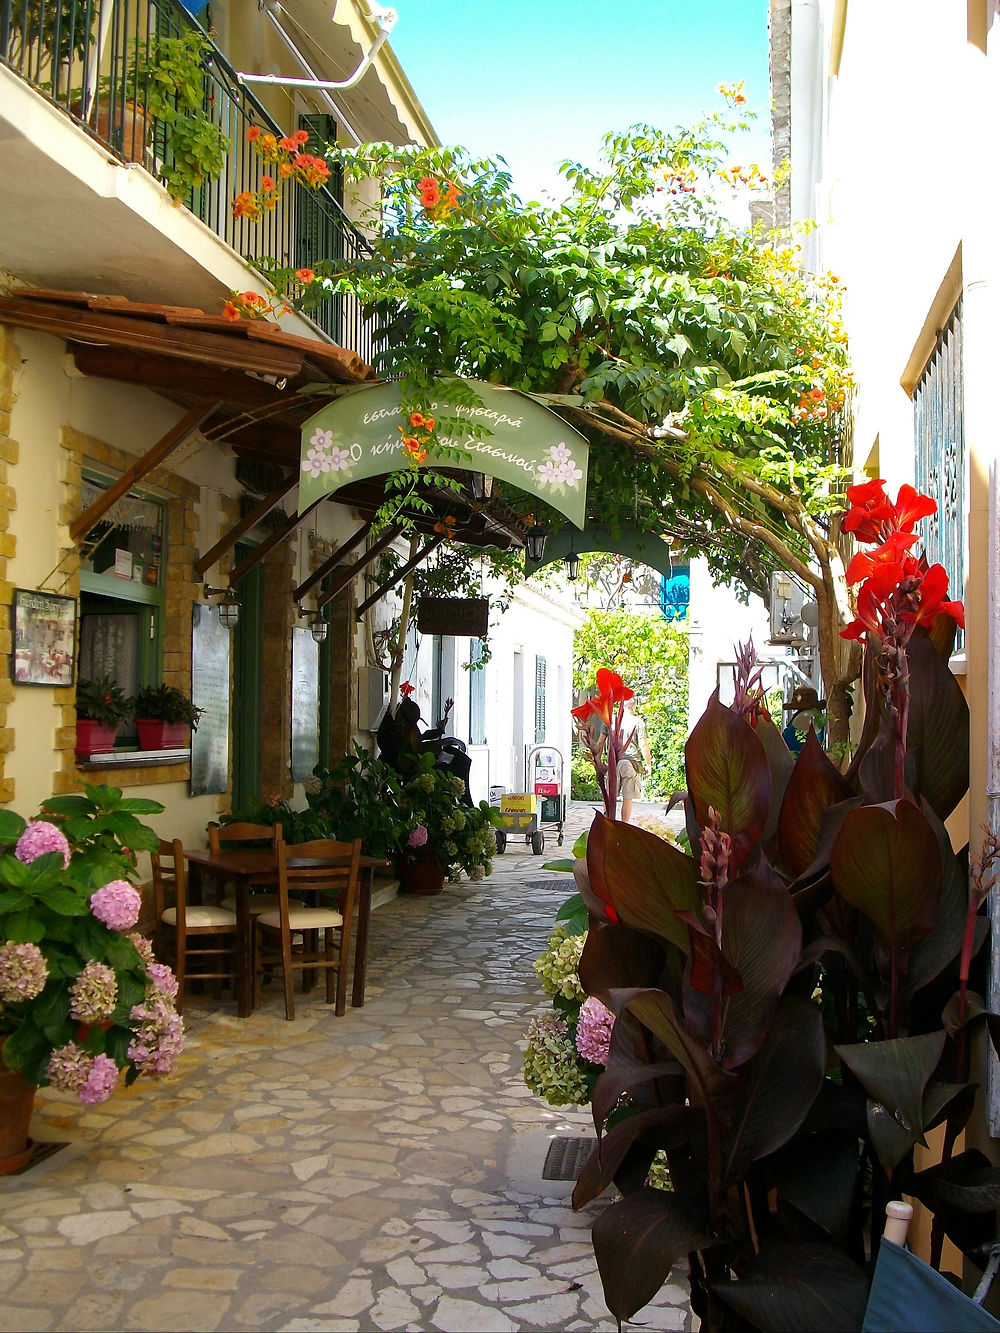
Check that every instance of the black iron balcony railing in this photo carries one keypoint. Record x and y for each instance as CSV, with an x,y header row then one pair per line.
x,y
87,57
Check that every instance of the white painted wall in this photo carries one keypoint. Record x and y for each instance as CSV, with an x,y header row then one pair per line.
x,y
718,621
536,623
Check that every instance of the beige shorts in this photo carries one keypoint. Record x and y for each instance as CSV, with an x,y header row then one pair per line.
x,y
629,779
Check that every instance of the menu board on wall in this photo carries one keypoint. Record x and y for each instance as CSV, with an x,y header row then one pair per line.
x,y
305,704
210,691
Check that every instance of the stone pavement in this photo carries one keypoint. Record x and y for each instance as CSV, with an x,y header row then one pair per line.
x,y
377,1171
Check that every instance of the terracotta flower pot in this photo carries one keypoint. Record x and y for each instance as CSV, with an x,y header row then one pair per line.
x,y
94,738
420,874
17,1098
156,735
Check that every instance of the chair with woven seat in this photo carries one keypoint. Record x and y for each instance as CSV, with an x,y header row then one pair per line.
x,y
178,922
219,838
302,936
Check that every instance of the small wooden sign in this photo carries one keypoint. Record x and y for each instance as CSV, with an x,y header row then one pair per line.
x,y
459,616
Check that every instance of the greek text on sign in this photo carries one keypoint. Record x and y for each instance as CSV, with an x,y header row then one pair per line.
x,y
358,436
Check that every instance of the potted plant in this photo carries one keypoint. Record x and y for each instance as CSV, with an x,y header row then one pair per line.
x,y
101,707
794,1000
445,835
171,72
81,996
360,798
163,715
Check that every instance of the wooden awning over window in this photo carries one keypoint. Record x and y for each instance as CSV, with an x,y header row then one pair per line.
x,y
260,383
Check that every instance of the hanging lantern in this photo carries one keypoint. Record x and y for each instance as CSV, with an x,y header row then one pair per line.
x,y
534,544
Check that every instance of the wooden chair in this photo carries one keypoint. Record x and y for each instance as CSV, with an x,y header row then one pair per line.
x,y
289,937
178,922
220,837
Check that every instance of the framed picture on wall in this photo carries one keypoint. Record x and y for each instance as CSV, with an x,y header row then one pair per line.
x,y
44,638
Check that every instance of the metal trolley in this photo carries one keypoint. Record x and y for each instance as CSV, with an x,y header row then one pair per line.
x,y
542,807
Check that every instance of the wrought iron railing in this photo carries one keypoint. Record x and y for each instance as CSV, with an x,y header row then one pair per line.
x,y
85,56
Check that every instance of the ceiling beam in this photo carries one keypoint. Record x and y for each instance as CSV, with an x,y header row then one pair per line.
x,y
336,559
345,576
229,539
151,459
274,539
398,576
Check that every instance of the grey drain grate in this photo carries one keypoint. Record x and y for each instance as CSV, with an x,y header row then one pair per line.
x,y
565,1158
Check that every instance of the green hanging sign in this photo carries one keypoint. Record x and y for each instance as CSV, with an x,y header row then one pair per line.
x,y
358,436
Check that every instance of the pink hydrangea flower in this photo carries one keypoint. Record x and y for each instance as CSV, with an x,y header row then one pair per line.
x,y
23,972
143,947
117,905
162,980
159,1037
418,836
94,993
593,1031
68,1067
100,1080
40,837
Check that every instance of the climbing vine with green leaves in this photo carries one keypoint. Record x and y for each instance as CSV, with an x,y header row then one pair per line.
x,y
708,372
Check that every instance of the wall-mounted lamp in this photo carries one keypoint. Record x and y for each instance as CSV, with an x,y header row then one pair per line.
x,y
228,608
534,544
572,561
482,485
318,627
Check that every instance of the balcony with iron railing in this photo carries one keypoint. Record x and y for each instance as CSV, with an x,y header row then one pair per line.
x,y
87,58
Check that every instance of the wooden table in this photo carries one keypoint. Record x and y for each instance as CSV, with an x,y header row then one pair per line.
x,y
255,865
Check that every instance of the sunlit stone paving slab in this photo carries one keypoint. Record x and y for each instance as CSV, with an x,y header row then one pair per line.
x,y
378,1171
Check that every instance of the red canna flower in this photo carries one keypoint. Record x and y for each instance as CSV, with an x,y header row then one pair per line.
x,y
406,689
889,556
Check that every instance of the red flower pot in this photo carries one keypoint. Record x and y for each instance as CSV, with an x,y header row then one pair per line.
x,y
420,873
93,737
155,735
17,1098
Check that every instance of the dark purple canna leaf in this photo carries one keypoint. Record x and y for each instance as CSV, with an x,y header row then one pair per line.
x,y
969,1182
818,1176
762,944
937,949
813,787
636,1242
781,764
780,1085
646,881
709,1085
668,1125
886,863
894,1074
792,1286
615,957
937,737
727,769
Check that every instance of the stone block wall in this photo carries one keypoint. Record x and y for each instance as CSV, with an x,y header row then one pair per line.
x,y
178,584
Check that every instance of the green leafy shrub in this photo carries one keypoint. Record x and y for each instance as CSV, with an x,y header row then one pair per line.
x,y
166,703
102,700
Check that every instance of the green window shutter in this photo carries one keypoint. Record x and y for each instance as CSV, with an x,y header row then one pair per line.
x,y
539,700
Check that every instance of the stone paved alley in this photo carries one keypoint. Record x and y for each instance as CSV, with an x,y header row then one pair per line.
x,y
377,1171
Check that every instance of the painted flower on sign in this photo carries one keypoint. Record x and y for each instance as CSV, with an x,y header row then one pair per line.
x,y
560,468
316,462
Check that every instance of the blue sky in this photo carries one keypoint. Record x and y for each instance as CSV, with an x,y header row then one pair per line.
x,y
539,82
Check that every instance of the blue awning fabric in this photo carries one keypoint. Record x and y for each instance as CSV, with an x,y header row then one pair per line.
x,y
908,1296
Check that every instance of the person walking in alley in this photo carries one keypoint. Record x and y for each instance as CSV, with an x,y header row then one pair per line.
x,y
635,762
